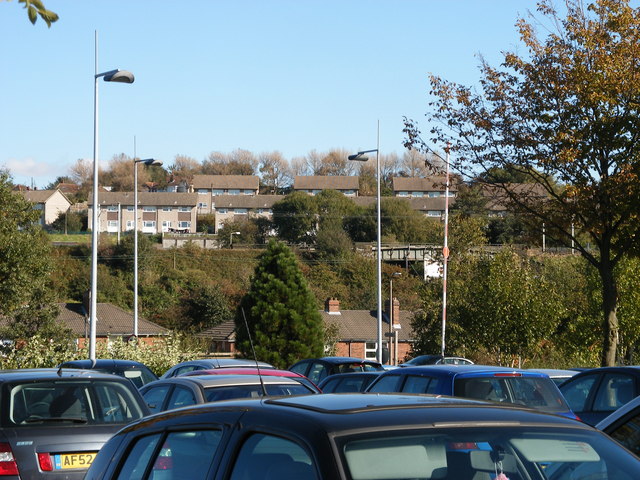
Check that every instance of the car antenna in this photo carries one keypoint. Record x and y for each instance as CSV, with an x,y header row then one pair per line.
x,y
253,350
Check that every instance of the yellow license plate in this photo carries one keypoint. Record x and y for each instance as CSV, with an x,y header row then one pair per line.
x,y
74,460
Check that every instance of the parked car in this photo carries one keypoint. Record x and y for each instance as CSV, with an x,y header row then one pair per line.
x,y
347,382
624,425
315,369
595,393
361,437
177,392
270,372
53,422
209,363
435,360
137,372
497,384
557,375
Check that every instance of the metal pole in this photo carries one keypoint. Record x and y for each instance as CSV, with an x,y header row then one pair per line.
x,y
379,249
135,247
390,318
445,256
94,216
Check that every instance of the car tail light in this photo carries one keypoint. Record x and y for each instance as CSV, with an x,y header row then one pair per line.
x,y
44,460
8,464
509,374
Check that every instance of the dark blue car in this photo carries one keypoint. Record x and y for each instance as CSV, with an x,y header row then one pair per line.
x,y
482,382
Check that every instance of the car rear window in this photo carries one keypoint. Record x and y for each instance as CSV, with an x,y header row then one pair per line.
x,y
215,394
535,392
64,401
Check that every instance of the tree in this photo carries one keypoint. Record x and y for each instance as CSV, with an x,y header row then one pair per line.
x,y
294,217
569,110
35,9
238,162
275,171
280,312
26,297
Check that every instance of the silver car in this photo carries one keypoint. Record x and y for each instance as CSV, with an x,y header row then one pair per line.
x,y
53,422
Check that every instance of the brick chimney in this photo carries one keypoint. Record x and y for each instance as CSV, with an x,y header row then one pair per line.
x,y
396,310
332,306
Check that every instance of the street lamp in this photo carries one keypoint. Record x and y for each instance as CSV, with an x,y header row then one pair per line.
x,y
360,157
118,76
146,161
231,238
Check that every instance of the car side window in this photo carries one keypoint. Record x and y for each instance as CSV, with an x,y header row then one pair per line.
x,y
181,397
419,384
267,457
138,458
614,391
184,454
317,372
386,384
628,434
577,391
155,396
300,368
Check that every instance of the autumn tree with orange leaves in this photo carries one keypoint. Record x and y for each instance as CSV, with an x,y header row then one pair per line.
x,y
564,113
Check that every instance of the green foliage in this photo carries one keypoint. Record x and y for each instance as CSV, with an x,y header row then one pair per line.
x,y
69,222
35,9
206,306
207,223
280,311
294,217
333,244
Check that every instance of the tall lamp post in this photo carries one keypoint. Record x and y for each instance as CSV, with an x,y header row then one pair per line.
x,y
118,76
392,333
445,257
360,157
146,161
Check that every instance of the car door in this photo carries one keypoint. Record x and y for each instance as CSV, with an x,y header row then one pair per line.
x,y
614,390
155,396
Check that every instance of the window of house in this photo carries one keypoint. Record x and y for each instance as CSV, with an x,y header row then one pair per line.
x,y
248,192
434,213
221,210
417,194
370,349
112,208
434,194
166,209
149,224
403,194
203,191
184,209
240,211
184,224
202,204
112,224
217,191
130,224
130,208
234,191
166,225
149,209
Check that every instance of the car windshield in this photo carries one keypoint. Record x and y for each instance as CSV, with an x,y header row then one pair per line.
x,y
514,453
535,392
356,367
214,394
63,401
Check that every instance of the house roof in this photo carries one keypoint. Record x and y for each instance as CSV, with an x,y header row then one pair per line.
x,y
416,184
226,181
498,199
353,325
327,182
164,199
41,196
112,320
245,201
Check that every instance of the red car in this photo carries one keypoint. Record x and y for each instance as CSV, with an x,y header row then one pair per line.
x,y
267,372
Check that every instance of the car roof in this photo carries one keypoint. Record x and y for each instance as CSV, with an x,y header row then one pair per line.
x,y
351,412
554,372
103,362
224,363
347,360
206,381
55,374
273,372
452,370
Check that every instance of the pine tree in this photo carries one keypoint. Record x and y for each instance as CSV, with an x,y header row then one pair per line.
x,y
280,311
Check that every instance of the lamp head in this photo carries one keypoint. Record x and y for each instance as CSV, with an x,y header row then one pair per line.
x,y
149,161
358,157
119,76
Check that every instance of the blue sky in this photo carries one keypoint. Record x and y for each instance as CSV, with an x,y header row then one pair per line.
x,y
211,75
